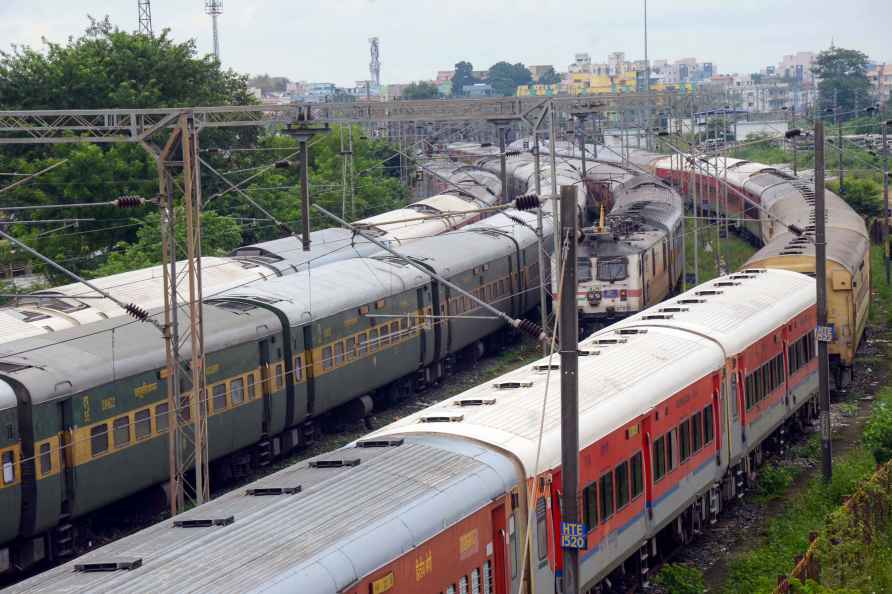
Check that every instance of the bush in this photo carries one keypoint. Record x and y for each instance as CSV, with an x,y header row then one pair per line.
x,y
878,430
773,482
676,578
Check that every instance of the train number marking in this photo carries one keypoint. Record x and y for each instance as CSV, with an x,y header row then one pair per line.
x,y
468,544
108,403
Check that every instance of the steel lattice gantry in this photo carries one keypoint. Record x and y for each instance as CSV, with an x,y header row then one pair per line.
x,y
136,125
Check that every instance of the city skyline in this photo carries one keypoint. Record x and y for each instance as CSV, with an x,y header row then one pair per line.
x,y
419,38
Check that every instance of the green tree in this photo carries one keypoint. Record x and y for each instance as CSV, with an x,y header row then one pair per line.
x,y
843,78
108,67
219,236
549,77
420,90
463,76
863,194
504,78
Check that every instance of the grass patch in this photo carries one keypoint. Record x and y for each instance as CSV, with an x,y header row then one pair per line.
x,y
734,250
677,578
787,534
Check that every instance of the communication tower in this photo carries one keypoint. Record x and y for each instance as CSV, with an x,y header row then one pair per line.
x,y
215,9
145,16
375,64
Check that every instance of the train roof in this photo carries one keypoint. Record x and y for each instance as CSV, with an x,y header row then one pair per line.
x,y
733,310
326,246
84,357
617,384
343,525
632,367
844,246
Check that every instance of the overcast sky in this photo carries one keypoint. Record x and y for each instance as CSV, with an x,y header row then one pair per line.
x,y
327,40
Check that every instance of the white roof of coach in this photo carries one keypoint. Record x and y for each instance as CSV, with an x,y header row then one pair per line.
x,y
616,386
739,314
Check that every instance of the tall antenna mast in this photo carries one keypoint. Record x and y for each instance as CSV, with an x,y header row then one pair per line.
x,y
375,64
215,9
145,17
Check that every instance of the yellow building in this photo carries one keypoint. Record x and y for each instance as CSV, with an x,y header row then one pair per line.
x,y
582,83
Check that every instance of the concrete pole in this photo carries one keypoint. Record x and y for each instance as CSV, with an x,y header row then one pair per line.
x,y
569,345
821,278
305,194
503,164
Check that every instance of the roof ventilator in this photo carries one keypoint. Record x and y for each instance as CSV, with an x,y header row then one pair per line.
x,y
608,341
204,523
708,293
725,284
690,301
631,331
755,270
588,353
340,463
264,491
546,367
512,385
673,309
476,402
116,565
380,443
658,317
443,419
742,276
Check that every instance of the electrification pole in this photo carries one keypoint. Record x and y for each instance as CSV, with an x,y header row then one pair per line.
x,y
842,183
569,328
824,333
540,233
886,125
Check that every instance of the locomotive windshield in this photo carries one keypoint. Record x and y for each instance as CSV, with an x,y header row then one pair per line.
x,y
612,269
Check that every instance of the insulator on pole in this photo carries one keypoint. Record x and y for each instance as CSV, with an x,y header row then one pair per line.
x,y
527,202
137,312
283,164
531,329
130,201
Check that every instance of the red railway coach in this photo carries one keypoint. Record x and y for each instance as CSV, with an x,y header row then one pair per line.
x,y
461,497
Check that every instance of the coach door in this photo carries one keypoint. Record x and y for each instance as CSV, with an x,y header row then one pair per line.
x,y
500,544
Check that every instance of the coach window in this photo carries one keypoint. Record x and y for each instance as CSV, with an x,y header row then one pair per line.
x,y
161,421
237,387
395,331
685,438
659,458
326,358
46,459
351,347
606,491
373,339
252,390
671,439
219,392
385,334
8,467
708,425
339,353
99,439
541,528
450,589
697,426
280,376
622,485
142,423
463,585
590,506
122,431
475,581
363,344
637,475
